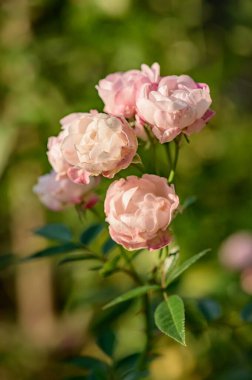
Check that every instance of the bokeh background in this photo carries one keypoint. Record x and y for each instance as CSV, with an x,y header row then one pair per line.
x,y
52,54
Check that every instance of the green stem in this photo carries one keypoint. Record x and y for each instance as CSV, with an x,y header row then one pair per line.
x,y
133,271
168,154
175,161
153,158
176,155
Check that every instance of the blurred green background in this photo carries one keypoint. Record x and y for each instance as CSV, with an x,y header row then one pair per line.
x,y
52,54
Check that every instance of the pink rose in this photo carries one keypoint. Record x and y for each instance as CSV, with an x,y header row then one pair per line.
x,y
59,193
178,105
119,90
98,144
54,154
68,119
139,211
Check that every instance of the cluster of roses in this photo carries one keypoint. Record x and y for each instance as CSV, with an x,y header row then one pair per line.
x,y
92,145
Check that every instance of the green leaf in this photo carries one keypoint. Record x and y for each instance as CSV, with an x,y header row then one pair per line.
x,y
185,265
53,251
246,313
108,246
55,231
210,309
90,233
110,266
106,341
170,318
170,263
79,257
136,292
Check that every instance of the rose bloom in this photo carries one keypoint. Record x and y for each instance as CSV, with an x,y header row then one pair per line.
x,y
178,105
55,156
119,90
59,193
139,211
99,144
236,251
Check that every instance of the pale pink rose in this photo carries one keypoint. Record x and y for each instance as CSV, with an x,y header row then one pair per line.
x,y
99,144
178,105
59,193
67,120
55,156
139,211
236,251
119,90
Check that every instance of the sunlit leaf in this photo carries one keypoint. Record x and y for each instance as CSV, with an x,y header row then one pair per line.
x,y
136,292
170,318
55,231
185,265
170,263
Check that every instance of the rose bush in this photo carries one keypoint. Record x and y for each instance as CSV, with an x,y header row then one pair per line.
x,y
139,210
